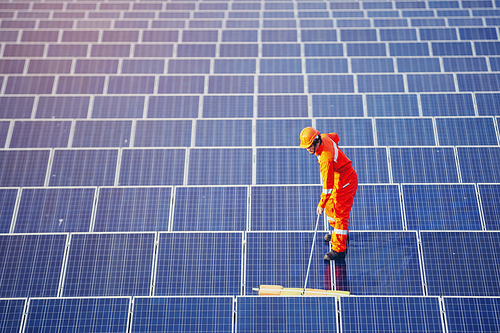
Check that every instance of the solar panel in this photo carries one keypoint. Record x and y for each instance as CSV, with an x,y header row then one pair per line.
x,y
211,167
281,84
284,208
214,268
371,164
487,157
90,133
16,106
326,65
228,106
281,258
380,83
31,265
461,263
117,107
384,263
282,106
279,132
337,105
8,198
319,84
286,166
173,107
405,132
230,84
466,131
163,133
352,131
54,210
431,83
447,105
280,66
223,133
390,314
372,65
11,314
376,207
487,104
127,209
78,314
441,207
152,167
89,167
101,264
286,314
210,209
23,167
182,314
424,165
389,105
413,65
235,66
489,199
472,314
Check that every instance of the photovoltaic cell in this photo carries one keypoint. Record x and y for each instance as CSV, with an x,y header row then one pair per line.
x,y
487,157
376,207
78,314
109,265
389,314
405,132
210,209
214,269
286,314
461,263
152,167
163,133
223,133
386,105
133,209
383,263
424,165
284,208
85,167
286,166
31,265
11,314
55,210
466,131
472,314
490,203
23,167
281,258
220,166
441,207
182,314
370,164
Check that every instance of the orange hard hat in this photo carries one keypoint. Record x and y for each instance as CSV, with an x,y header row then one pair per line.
x,y
307,137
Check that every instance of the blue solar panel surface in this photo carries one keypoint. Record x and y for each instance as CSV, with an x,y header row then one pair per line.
x,y
184,117
78,315
472,314
11,314
182,314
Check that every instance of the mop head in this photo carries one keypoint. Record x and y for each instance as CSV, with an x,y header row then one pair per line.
x,y
275,290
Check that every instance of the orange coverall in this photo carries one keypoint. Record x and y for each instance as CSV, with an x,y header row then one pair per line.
x,y
340,182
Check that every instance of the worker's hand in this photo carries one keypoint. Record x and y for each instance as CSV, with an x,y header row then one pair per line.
x,y
320,210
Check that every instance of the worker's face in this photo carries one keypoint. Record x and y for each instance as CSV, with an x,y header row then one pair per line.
x,y
311,149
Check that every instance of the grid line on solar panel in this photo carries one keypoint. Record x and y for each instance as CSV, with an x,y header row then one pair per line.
x,y
210,208
126,209
461,263
441,207
31,264
183,314
192,263
96,314
109,264
390,314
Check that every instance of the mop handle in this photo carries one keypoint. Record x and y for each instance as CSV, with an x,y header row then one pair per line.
x,y
312,250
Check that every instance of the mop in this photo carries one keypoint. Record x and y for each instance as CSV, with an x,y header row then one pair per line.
x,y
277,290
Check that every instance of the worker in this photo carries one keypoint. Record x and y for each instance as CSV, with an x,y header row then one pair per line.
x,y
340,183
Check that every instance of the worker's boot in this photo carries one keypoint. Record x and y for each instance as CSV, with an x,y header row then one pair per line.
x,y
332,255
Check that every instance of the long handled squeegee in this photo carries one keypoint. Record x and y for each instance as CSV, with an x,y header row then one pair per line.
x,y
275,290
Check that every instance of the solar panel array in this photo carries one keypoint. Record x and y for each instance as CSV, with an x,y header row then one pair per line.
x,y
150,175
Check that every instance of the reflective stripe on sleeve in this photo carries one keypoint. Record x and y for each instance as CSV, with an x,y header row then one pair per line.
x,y
336,151
341,232
327,191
